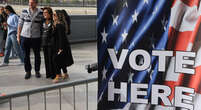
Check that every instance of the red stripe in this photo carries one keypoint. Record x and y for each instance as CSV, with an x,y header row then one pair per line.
x,y
172,35
195,80
174,1
191,2
179,41
183,40
172,85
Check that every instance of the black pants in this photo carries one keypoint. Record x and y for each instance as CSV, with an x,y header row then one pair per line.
x,y
49,64
58,70
27,44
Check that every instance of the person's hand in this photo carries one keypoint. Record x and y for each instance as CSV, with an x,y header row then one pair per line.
x,y
60,50
18,39
5,24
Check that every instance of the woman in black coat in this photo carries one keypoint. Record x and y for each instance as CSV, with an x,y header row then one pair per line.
x,y
63,56
47,42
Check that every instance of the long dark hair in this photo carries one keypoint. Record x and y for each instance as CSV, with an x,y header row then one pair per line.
x,y
61,19
67,18
3,14
50,12
9,8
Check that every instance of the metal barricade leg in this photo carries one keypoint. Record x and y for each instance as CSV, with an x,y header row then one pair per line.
x,y
60,98
86,95
10,103
45,102
74,96
28,100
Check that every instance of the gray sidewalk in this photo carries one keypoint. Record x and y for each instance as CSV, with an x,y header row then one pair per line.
x,y
12,80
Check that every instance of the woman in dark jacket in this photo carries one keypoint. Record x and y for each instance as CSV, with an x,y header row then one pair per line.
x,y
63,56
3,30
47,42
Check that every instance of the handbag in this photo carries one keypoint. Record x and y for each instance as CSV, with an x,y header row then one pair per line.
x,y
60,59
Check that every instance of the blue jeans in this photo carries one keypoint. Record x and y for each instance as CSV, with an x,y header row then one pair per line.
x,y
12,41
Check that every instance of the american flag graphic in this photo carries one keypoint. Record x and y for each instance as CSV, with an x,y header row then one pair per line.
x,y
148,25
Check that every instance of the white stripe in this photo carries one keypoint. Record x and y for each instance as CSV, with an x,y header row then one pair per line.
x,y
171,75
190,46
197,105
198,58
184,18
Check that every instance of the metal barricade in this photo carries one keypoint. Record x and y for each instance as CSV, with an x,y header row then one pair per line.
x,y
45,89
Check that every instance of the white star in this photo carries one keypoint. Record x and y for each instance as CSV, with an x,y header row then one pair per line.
x,y
149,69
115,18
146,1
104,73
116,50
151,74
124,35
153,46
111,78
134,16
130,78
133,43
164,23
152,41
100,98
104,35
164,28
154,12
144,28
125,4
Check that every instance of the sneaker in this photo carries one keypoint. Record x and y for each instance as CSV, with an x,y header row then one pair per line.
x,y
3,64
57,79
1,54
27,75
3,100
38,75
65,76
2,94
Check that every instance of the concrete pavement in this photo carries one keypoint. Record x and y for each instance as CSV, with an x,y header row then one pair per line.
x,y
12,80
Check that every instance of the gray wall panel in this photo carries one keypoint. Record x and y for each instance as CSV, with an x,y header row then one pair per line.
x,y
83,28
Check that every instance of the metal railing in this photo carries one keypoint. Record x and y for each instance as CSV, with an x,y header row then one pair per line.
x,y
44,90
58,3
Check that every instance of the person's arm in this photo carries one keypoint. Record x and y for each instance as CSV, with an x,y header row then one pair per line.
x,y
20,25
61,34
14,22
19,29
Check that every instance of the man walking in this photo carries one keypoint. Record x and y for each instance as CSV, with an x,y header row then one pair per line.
x,y
29,35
